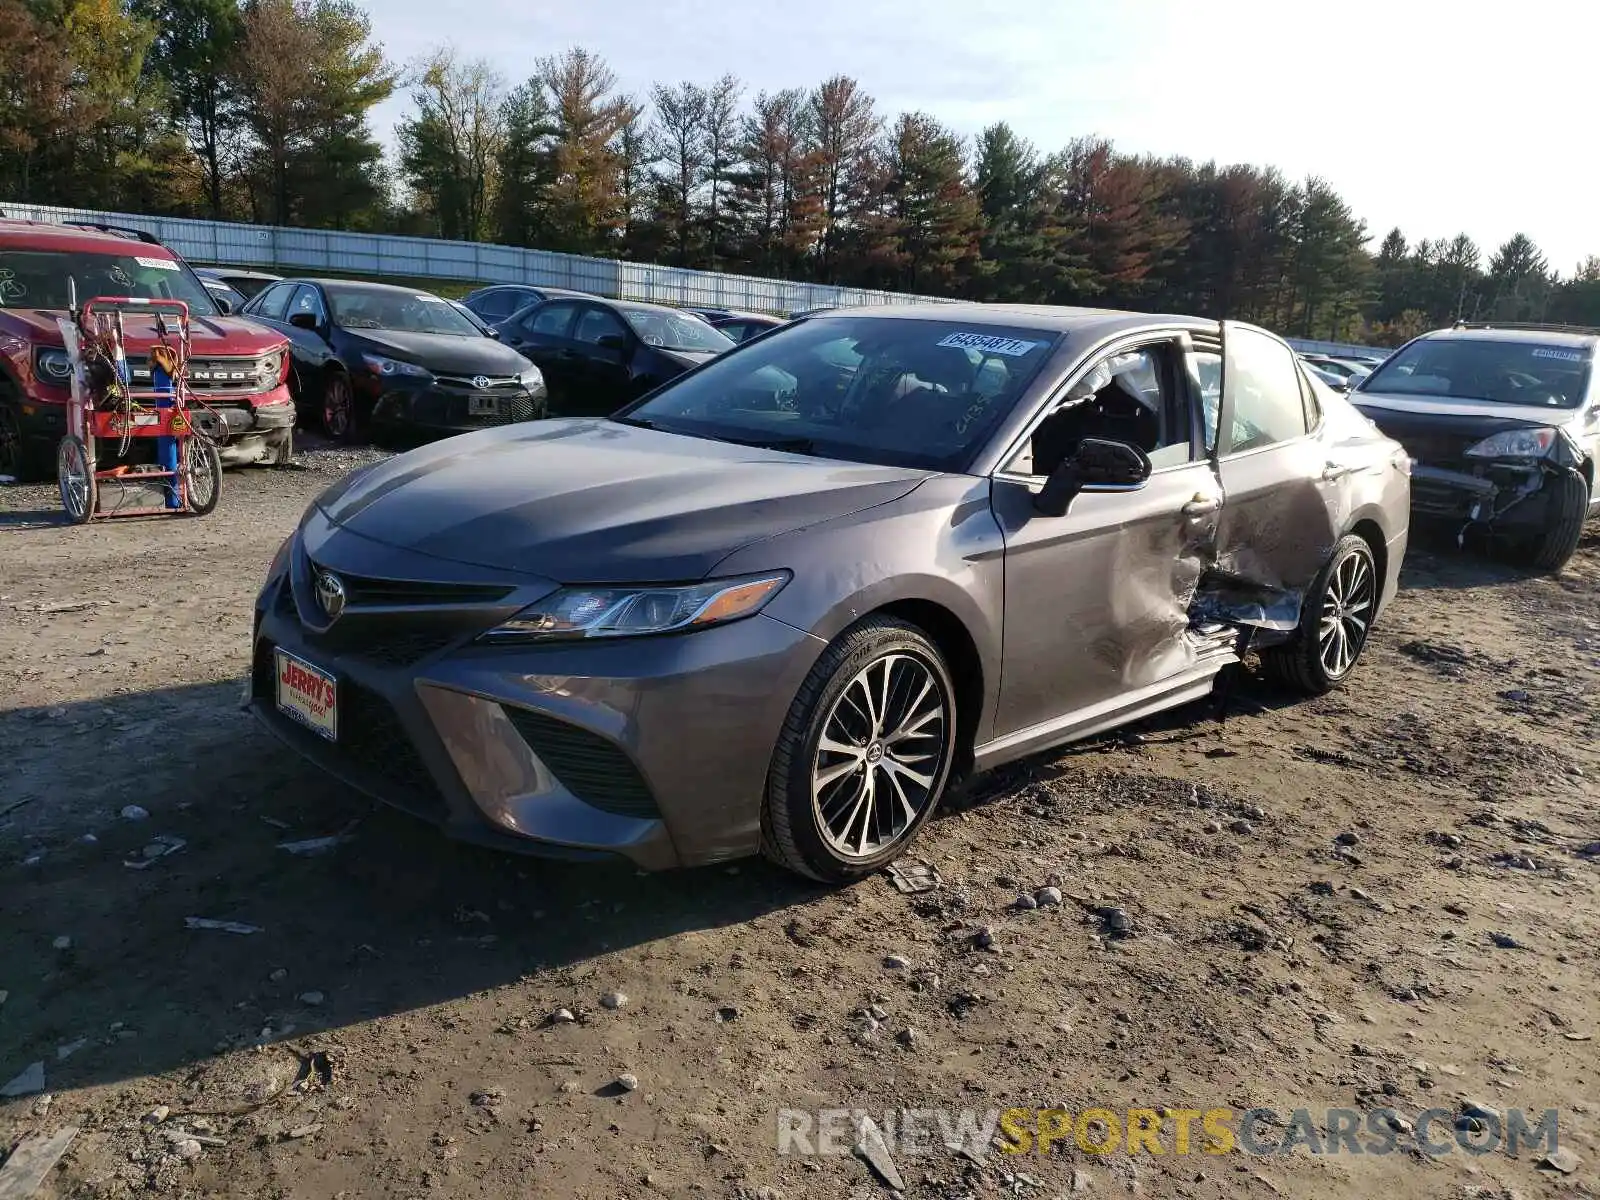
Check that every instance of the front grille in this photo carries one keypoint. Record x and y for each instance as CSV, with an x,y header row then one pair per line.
x,y
370,739
211,375
465,383
593,769
368,592
352,638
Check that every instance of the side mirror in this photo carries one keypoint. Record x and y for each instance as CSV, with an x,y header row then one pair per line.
x,y
1099,464
492,332
304,320
612,341
224,305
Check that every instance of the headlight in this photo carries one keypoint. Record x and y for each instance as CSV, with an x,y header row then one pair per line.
x,y
390,367
593,612
53,366
1515,443
269,370
531,378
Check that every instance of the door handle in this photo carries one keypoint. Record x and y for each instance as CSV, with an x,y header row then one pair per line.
x,y
1202,505
1333,470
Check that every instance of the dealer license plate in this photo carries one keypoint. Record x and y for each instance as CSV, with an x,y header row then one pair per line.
x,y
483,406
308,694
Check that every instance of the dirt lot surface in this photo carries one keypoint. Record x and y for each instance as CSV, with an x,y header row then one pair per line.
x,y
1378,899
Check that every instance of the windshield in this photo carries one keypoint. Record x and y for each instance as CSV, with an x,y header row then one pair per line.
x,y
902,392
38,279
1502,372
392,308
675,331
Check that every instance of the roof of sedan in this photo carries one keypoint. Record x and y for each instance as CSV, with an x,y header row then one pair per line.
x,y
1548,335
1059,318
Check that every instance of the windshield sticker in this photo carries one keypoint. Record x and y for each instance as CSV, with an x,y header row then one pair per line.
x,y
1011,347
157,264
1563,355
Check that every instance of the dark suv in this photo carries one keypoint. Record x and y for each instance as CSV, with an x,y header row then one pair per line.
x,y
1503,422
237,369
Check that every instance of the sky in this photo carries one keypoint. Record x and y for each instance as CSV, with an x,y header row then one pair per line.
x,y
1438,118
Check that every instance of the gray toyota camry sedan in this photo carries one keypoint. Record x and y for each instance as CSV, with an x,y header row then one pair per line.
x,y
779,604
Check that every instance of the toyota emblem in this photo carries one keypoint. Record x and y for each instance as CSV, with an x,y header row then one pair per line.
x,y
330,594
480,381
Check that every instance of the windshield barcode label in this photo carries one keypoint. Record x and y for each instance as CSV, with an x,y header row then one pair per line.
x,y
1011,347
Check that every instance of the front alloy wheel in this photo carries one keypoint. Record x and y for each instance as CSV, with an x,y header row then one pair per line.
x,y
864,755
338,407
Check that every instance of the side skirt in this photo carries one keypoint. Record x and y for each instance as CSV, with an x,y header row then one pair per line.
x,y
1215,647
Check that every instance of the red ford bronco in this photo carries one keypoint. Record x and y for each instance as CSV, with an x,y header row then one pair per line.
x,y
238,370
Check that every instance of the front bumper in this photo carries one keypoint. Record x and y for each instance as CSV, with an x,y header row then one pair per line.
x,y
245,428
1506,496
652,749
433,407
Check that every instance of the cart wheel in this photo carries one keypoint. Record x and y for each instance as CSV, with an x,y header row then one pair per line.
x,y
202,474
75,473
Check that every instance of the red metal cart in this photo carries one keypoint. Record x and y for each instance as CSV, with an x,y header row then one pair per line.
x,y
133,451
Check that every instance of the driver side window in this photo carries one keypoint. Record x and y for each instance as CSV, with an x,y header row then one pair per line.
x,y
1131,396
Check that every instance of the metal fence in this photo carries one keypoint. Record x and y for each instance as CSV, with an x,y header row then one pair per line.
x,y
274,247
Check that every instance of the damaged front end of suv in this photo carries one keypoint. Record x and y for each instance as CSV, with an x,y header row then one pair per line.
x,y
1503,428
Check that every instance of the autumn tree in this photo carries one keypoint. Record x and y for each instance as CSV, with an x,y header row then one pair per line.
x,y
525,166
585,211
195,53
842,131
772,195
450,149
35,90
310,74
930,206
680,112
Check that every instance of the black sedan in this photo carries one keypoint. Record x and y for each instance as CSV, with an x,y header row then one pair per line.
x,y
597,355
400,361
501,300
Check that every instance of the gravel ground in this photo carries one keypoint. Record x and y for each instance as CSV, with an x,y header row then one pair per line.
x,y
1379,899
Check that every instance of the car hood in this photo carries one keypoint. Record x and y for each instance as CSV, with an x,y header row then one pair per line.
x,y
208,335
585,501
690,359
445,353
1379,404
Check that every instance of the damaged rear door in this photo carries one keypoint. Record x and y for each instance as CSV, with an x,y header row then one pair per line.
x,y
1277,525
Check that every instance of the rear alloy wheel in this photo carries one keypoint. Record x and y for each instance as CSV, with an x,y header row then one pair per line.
x,y
338,407
864,755
1336,617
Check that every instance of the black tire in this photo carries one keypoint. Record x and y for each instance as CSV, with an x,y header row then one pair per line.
x,y
79,494
1568,507
1301,663
792,824
202,471
17,458
338,406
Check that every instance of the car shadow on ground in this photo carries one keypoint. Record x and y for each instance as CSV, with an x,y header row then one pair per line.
x,y
1435,561
393,920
